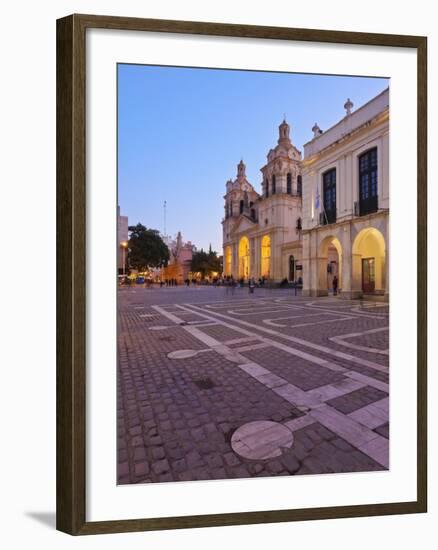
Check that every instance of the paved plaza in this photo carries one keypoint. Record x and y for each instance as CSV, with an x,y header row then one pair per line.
x,y
219,385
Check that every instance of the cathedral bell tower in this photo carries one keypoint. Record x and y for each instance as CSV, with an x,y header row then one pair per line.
x,y
282,174
241,171
280,208
240,218
284,134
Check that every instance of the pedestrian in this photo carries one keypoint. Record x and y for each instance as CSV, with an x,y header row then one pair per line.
x,y
335,286
251,286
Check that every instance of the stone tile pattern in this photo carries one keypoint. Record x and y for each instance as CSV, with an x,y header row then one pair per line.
x,y
383,430
307,376
170,429
356,399
221,332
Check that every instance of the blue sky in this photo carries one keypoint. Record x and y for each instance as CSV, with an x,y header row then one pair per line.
x,y
182,131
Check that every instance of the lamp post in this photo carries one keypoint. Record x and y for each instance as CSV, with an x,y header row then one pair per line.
x,y
124,246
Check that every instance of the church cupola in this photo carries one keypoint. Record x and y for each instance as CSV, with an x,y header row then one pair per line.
x,y
284,132
241,170
240,197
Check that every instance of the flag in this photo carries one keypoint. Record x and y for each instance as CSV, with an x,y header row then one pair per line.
x,y
317,198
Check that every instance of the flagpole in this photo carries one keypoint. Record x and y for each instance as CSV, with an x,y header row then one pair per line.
x,y
317,204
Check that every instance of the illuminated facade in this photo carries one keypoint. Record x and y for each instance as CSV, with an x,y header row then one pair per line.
x,y
324,216
262,232
346,203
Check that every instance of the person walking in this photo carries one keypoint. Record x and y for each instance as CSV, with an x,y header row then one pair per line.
x,y
335,286
251,286
233,285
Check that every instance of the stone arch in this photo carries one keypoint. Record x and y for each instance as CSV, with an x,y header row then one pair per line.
x,y
368,261
266,256
329,264
244,262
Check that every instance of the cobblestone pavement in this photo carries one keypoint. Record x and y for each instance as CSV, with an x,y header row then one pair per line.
x,y
214,385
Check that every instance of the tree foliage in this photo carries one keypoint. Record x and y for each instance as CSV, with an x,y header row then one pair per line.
x,y
206,262
146,248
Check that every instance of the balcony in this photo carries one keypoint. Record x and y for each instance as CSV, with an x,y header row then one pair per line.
x,y
366,206
327,217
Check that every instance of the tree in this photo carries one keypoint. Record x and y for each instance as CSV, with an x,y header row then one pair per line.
x,y
146,248
200,263
214,263
205,262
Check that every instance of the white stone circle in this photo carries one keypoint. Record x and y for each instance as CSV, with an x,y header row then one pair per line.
x,y
261,439
182,354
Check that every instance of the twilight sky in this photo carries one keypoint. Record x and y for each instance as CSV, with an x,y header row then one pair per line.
x,y
182,131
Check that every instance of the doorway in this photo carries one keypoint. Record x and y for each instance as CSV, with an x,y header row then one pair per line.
x,y
368,275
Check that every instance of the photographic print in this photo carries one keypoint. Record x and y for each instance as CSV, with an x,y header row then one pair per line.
x,y
252,284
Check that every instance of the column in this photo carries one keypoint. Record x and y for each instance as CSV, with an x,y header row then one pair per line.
x,y
321,274
234,261
346,265
275,258
305,273
257,257
252,257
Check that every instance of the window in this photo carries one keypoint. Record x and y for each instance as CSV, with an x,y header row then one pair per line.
x,y
273,185
329,196
368,182
241,207
289,184
299,186
266,188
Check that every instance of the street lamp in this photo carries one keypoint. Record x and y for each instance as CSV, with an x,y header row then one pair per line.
x,y
124,246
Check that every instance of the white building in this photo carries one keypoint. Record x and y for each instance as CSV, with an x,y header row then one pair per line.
x,y
346,203
324,216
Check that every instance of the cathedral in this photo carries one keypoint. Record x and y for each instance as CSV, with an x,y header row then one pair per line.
x,y
262,232
318,218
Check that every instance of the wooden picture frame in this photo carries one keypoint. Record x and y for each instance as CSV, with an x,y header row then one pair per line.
x,y
71,273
